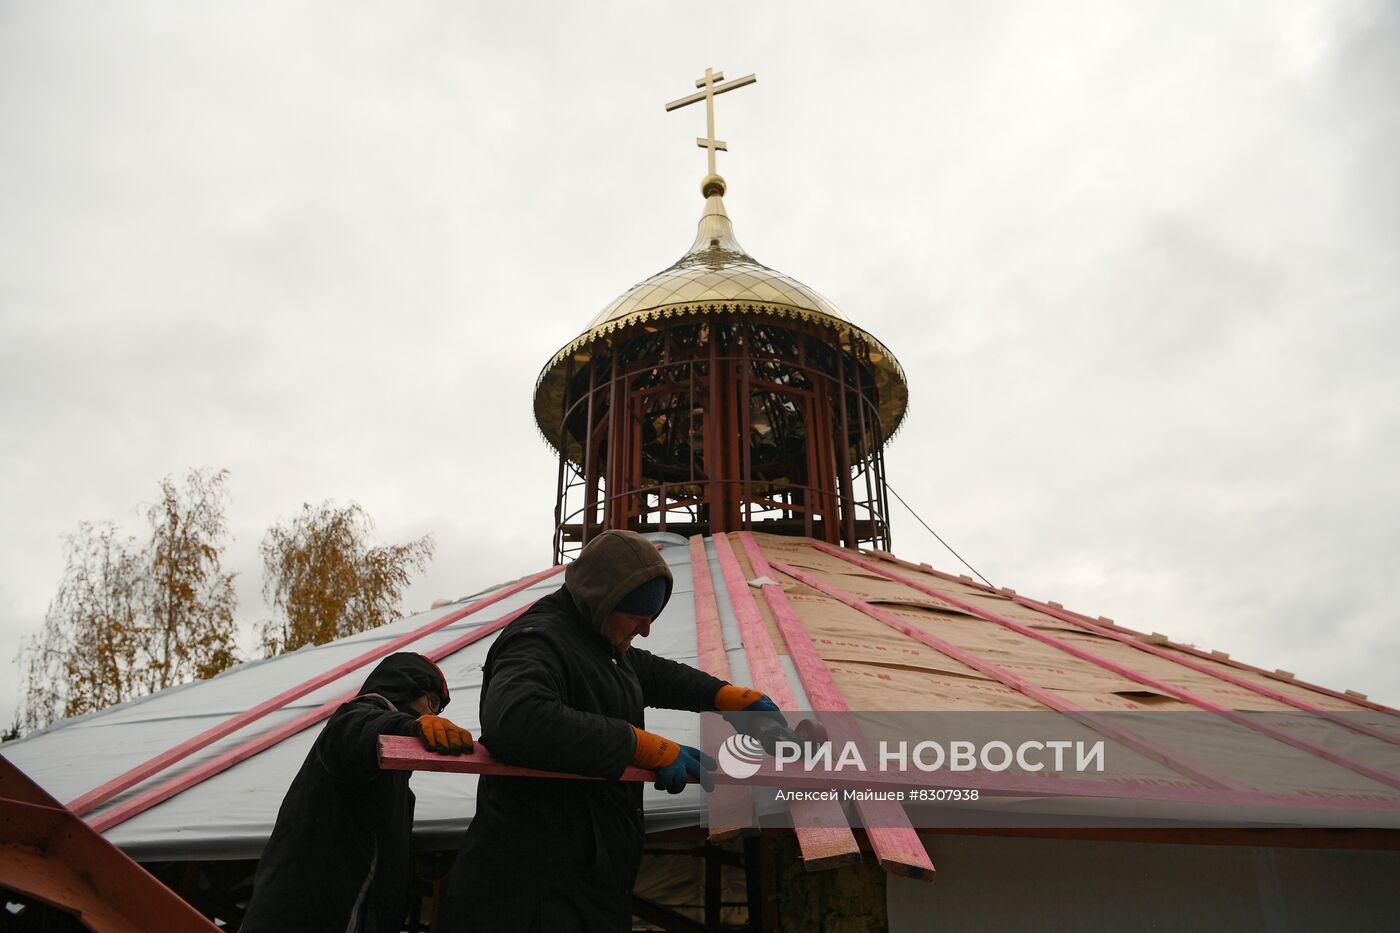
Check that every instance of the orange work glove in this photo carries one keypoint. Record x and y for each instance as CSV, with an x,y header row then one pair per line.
x,y
732,699
443,735
654,751
673,763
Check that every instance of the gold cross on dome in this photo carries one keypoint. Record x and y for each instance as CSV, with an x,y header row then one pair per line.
x,y
712,86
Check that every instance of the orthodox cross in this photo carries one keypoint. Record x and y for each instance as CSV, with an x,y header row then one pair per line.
x,y
712,86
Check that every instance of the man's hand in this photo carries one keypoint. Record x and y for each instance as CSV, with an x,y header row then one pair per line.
x,y
732,699
673,762
762,705
751,713
443,736
691,762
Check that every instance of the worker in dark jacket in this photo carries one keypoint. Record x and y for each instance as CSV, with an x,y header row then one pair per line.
x,y
338,859
564,690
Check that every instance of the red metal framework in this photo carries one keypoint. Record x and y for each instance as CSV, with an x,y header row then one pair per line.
x,y
722,422
54,870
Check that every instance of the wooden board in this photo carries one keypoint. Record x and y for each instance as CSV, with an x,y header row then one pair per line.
x,y
892,837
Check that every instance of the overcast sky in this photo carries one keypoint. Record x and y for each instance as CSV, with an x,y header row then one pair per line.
x,y
1140,261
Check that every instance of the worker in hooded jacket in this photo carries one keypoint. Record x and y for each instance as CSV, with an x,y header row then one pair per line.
x,y
564,689
338,858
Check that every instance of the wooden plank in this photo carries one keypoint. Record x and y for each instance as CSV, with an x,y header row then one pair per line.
x,y
892,837
162,792
764,665
1093,720
709,635
1186,696
101,794
406,753
730,807
822,833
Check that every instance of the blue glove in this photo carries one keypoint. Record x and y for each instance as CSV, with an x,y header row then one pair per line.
x,y
762,705
760,715
691,762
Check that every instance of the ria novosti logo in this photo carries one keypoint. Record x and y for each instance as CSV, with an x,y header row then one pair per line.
x,y
740,756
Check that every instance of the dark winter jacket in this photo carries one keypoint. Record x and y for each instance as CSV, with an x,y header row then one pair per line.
x,y
338,859
562,855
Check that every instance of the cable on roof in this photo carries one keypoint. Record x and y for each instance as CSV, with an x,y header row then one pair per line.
x,y
935,534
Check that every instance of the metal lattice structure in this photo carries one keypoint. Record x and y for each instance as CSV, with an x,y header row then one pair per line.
x,y
721,395
721,423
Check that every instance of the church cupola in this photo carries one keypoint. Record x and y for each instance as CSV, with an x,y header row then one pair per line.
x,y
721,395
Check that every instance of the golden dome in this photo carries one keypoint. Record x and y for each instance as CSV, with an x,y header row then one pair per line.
x,y
717,276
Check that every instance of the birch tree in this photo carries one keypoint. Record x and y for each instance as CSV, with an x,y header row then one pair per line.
x,y
189,600
325,580
130,617
87,656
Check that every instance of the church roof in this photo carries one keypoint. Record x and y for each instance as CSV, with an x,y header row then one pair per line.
x,y
877,633
716,275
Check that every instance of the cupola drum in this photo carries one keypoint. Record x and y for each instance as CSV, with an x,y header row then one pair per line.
x,y
721,395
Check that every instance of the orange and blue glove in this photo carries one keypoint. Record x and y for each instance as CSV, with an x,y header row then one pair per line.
x,y
673,763
754,714
443,736
732,699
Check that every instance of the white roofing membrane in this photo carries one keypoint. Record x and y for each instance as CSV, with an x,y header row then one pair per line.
x,y
231,814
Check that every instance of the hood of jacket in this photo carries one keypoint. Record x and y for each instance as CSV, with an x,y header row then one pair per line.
x,y
404,677
611,566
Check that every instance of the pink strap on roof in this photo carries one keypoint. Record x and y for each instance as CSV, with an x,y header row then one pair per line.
x,y
709,636
141,772
1375,774
1049,698
200,773
1176,658
823,836
896,844
764,666
1076,618
729,807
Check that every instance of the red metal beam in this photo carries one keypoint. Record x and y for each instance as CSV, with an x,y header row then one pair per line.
x,y
896,845
1049,698
823,835
1312,748
162,792
730,808
101,794
49,854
